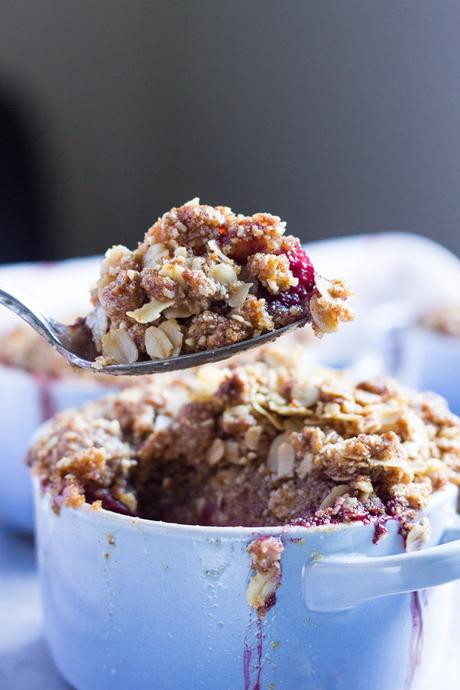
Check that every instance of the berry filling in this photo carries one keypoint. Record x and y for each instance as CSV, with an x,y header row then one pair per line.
x,y
303,270
298,295
376,515
108,501
299,263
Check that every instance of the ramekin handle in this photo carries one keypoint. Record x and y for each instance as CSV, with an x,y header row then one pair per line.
x,y
342,581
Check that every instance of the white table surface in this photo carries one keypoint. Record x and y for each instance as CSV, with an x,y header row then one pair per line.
x,y
24,660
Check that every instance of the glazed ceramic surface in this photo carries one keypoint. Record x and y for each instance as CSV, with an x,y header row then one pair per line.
x,y
26,401
132,603
430,361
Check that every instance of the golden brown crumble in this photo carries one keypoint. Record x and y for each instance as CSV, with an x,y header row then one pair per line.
x,y
265,553
257,442
204,277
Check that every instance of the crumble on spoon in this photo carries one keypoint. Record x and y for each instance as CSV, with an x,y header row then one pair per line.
x,y
203,278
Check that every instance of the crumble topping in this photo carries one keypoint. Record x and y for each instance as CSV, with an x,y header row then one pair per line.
x,y
204,277
444,320
258,442
265,554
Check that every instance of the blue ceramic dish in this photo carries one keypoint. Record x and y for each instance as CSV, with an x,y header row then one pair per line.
x,y
132,603
430,361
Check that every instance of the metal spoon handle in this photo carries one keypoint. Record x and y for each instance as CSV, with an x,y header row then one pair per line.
x,y
31,315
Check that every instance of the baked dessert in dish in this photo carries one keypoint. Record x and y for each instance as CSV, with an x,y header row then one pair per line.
x,y
257,443
205,277
23,348
444,320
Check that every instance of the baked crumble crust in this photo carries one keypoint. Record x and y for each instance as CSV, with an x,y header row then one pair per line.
x,y
204,277
255,443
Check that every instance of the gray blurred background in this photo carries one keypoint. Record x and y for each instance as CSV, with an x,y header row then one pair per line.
x,y
342,117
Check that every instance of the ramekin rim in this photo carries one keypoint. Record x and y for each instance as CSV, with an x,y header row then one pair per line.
x,y
87,512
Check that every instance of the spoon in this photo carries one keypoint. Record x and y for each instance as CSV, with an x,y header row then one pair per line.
x,y
77,347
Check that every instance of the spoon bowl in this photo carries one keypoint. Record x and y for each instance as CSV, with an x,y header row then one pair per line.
x,y
74,343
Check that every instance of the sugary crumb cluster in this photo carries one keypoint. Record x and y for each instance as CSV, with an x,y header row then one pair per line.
x,y
444,320
255,443
205,277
